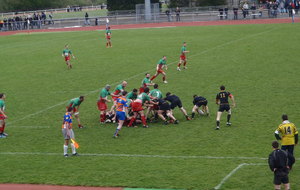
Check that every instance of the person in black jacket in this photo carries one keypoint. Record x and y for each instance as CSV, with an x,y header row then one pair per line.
x,y
280,163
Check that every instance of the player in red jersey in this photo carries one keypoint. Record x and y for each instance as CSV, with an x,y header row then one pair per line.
x,y
182,59
159,69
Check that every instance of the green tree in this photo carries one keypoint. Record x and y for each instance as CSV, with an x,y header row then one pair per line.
x,y
113,5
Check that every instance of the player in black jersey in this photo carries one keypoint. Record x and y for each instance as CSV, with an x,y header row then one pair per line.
x,y
198,102
222,100
176,102
165,108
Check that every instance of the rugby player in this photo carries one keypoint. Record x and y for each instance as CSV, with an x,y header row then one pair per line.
x,y
182,59
75,104
198,102
108,37
176,102
146,83
67,55
3,116
159,69
121,112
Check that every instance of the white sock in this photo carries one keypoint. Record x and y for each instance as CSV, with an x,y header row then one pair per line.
x,y
73,148
65,149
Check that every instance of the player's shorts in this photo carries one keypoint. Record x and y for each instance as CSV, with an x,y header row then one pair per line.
x,y
136,106
159,71
108,37
281,176
102,106
68,134
164,107
182,57
2,117
176,103
67,58
199,104
155,107
121,115
141,90
74,108
224,107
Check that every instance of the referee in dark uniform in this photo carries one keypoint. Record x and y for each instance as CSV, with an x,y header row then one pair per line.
x,y
280,163
222,101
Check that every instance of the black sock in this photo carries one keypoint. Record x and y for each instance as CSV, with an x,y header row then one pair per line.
x,y
228,118
193,114
218,123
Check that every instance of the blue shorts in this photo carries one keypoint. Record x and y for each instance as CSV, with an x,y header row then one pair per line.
x,y
121,115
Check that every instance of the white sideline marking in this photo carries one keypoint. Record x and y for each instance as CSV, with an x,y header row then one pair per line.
x,y
30,127
233,172
91,92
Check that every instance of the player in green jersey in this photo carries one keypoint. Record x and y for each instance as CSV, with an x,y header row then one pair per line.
x,y
108,37
159,69
3,116
182,59
75,104
146,83
67,55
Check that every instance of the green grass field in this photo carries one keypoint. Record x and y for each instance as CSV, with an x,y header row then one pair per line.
x,y
259,65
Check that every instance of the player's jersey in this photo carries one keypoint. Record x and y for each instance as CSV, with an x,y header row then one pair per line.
x,y
155,93
172,98
121,104
2,105
74,102
288,131
104,93
183,49
108,32
118,89
67,52
67,120
161,63
145,81
131,96
199,99
223,97
143,97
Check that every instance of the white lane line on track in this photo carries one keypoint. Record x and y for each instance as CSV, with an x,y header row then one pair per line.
x,y
142,73
234,171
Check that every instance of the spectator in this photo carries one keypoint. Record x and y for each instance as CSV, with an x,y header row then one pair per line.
x,y
297,5
168,15
177,11
1,24
221,13
235,13
87,21
51,18
226,12
290,8
253,8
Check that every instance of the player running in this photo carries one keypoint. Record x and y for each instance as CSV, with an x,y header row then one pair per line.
x,y
146,83
222,100
176,102
108,37
159,69
68,133
182,59
74,104
3,116
137,107
121,112
67,55
199,102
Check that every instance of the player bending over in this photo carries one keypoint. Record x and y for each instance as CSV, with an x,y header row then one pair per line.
x,y
199,102
67,55
159,69
176,102
74,104
222,101
102,106
68,133
165,108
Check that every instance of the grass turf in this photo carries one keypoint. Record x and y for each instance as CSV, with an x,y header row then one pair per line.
x,y
257,63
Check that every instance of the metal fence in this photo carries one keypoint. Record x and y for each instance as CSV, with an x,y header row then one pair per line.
x,y
185,16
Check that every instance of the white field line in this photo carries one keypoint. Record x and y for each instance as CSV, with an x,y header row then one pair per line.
x,y
30,127
233,172
142,73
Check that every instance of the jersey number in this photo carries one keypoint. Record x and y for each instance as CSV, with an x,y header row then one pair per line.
x,y
222,95
287,130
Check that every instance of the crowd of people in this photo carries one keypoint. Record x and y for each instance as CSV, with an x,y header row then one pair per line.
x,y
26,21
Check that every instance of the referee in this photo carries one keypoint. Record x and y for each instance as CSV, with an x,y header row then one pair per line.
x,y
280,163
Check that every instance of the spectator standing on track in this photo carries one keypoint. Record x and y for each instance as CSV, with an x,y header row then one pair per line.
x,y
168,15
253,8
235,13
245,9
221,13
280,162
177,11
87,21
226,12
